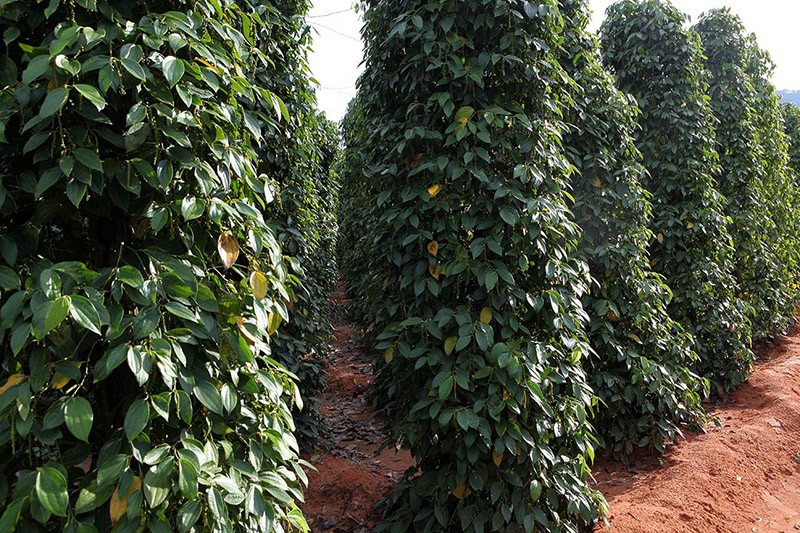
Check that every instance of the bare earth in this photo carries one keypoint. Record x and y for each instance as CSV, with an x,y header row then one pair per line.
x,y
742,477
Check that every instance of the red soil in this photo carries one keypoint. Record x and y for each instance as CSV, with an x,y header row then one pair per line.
x,y
352,476
743,475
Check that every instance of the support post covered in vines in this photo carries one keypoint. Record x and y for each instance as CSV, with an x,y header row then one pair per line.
x,y
748,180
140,280
659,63
471,265
641,367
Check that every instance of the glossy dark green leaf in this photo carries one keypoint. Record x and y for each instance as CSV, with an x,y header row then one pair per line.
x,y
79,417
173,70
53,102
85,314
51,490
136,418
56,313
92,94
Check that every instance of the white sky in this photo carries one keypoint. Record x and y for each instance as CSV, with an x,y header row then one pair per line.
x,y
338,50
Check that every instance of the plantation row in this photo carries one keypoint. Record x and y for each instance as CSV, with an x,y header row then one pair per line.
x,y
544,264
167,232
558,243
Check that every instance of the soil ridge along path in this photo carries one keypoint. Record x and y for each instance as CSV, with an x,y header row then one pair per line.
x,y
351,475
738,478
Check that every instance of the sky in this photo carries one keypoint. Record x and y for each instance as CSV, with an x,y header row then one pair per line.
x,y
335,61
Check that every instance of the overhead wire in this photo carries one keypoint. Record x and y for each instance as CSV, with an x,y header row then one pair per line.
x,y
337,32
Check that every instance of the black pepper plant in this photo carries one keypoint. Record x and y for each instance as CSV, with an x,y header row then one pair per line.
x,y
780,190
297,155
659,63
140,280
471,265
791,118
642,358
765,282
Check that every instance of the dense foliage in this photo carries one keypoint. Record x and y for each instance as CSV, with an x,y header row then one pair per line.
x,y
779,185
750,177
791,116
659,63
470,264
641,367
297,157
140,279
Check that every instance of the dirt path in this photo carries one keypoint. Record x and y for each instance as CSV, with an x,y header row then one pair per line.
x,y
352,476
742,477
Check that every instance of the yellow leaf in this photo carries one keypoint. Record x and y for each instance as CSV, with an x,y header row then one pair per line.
x,y
434,190
486,315
228,249
433,248
497,458
461,491
596,182
273,323
13,379
635,337
690,225
450,344
59,381
660,238
258,282
119,506
249,337
388,355
435,270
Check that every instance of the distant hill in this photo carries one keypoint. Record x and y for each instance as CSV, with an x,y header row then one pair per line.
x,y
792,97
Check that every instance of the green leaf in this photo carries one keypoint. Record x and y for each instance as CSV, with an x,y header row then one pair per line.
x,y
188,516
157,454
209,396
51,490
180,311
134,68
92,94
19,337
10,518
110,361
145,322
53,102
173,70
59,309
50,283
157,483
89,159
491,280
130,276
187,479
192,208
92,497
79,417
9,279
85,314
136,418
36,67
536,489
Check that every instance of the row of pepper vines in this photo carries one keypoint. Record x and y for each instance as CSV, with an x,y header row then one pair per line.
x,y
553,246
166,234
